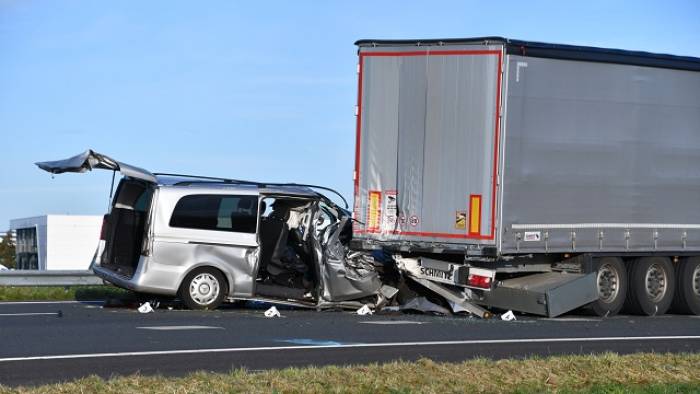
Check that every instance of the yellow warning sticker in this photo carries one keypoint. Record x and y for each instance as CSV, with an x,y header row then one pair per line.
x,y
374,214
475,214
461,220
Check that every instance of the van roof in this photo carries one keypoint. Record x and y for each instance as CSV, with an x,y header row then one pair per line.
x,y
247,187
554,51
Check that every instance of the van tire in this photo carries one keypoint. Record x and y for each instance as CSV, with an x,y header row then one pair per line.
x,y
611,270
687,298
652,285
204,288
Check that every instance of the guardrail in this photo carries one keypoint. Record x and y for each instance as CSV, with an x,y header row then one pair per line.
x,y
48,278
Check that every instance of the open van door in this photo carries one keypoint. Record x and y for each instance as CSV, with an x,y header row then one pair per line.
x,y
89,160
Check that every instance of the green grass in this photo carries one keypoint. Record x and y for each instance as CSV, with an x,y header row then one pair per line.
x,y
607,373
78,293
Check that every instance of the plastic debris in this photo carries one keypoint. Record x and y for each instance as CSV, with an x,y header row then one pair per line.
x,y
508,316
272,312
146,308
364,310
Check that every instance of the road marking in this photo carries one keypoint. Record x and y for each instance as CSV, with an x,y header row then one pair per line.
x,y
347,346
29,314
176,328
48,302
389,322
570,319
308,341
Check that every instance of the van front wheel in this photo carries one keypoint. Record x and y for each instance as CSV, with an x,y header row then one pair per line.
x,y
203,288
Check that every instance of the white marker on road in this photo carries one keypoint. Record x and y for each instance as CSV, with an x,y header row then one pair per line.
x,y
29,314
4,303
176,328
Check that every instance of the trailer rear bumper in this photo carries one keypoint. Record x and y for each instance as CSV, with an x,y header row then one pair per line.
x,y
547,294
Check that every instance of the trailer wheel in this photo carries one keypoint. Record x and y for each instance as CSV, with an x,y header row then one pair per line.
x,y
203,288
687,298
652,286
612,286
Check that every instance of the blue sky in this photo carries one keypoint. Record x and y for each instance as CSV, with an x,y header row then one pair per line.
x,y
253,90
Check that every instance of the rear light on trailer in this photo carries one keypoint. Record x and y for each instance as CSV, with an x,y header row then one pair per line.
x,y
482,282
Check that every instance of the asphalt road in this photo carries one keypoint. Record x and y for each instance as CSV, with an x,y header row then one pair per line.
x,y
50,342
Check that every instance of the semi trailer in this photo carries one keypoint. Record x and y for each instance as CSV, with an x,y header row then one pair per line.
x,y
531,176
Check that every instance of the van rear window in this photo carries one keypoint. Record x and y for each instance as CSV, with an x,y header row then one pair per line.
x,y
216,212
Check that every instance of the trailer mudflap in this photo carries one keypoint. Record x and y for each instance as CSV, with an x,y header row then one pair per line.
x,y
547,294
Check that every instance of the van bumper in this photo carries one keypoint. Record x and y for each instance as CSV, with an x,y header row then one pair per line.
x,y
134,283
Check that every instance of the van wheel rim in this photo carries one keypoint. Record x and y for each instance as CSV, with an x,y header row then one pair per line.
x,y
608,283
656,282
696,281
204,289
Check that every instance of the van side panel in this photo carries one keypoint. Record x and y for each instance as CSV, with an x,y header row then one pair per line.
x,y
177,251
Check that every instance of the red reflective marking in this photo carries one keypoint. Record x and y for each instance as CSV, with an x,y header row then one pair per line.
x,y
499,53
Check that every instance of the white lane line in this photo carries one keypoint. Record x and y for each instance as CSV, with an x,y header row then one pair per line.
x,y
390,322
346,346
29,314
2,303
175,328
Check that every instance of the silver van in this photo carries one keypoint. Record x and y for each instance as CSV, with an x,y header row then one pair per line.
x,y
209,240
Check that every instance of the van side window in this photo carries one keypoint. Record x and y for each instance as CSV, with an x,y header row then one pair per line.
x,y
216,212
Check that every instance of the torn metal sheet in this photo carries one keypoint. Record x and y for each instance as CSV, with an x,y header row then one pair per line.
x,y
463,297
347,275
89,160
422,304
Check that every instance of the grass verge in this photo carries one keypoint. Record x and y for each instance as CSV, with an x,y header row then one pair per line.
x,y
71,293
606,373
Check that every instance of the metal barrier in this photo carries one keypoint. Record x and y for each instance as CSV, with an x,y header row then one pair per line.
x,y
48,278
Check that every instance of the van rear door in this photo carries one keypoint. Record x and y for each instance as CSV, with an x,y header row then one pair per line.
x,y
89,160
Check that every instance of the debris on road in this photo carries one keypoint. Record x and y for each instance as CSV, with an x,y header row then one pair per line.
x,y
272,312
365,310
146,308
508,316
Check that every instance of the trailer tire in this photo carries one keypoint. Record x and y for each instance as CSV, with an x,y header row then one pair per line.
x,y
612,286
687,297
652,285
203,288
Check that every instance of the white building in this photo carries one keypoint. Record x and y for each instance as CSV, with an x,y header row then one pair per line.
x,y
56,242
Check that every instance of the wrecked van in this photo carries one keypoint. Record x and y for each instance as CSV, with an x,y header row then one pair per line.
x,y
209,240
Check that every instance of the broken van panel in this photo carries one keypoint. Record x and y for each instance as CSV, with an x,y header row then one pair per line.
x,y
88,160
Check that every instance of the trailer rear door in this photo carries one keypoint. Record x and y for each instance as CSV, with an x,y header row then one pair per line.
x,y
427,143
